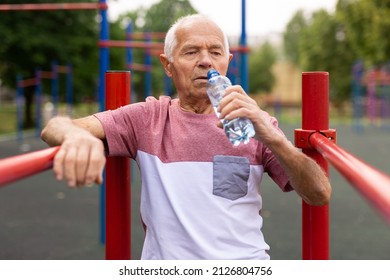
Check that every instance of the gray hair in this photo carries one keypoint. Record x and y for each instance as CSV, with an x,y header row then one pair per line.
x,y
171,40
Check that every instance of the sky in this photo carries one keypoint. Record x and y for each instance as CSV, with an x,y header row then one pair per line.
x,y
263,17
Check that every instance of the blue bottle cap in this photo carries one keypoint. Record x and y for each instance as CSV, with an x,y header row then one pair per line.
x,y
212,73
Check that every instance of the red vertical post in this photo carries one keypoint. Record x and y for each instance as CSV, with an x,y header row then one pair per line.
x,y
118,230
315,116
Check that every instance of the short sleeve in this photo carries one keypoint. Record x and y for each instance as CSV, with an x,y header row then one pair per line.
x,y
272,165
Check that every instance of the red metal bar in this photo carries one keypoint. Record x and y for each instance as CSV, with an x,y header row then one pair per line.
x,y
143,35
139,67
28,82
118,210
63,69
127,44
46,74
315,116
20,166
370,182
240,49
53,6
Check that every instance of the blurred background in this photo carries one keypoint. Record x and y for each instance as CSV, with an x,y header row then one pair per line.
x,y
49,65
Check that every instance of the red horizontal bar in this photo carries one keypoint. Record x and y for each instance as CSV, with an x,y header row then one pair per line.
x,y
28,82
139,67
18,167
156,52
370,182
53,6
144,35
46,75
127,44
241,49
63,69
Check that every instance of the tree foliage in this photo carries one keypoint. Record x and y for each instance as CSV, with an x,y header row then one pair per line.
x,y
292,36
367,24
261,60
357,30
32,40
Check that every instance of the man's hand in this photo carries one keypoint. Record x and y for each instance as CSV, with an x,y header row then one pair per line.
x,y
81,158
305,176
236,103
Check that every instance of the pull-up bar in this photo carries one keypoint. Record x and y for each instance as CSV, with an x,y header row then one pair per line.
x,y
27,82
144,35
317,141
53,6
21,166
371,183
131,44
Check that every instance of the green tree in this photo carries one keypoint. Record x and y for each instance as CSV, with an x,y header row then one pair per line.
x,y
261,60
33,39
291,36
367,24
358,30
323,47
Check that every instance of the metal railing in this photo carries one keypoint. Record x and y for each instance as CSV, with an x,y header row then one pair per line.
x,y
319,142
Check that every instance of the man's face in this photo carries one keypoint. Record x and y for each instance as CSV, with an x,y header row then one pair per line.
x,y
200,47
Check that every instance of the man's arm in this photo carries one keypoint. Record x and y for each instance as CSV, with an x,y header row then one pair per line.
x,y
81,157
305,175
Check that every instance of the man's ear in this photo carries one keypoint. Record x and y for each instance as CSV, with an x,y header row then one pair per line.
x,y
230,57
166,64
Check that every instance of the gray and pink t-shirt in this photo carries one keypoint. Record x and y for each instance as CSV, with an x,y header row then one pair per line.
x,y
199,197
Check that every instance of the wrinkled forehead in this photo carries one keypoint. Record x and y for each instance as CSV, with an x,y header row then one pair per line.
x,y
200,31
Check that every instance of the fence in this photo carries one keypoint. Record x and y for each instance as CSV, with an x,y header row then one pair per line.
x,y
315,139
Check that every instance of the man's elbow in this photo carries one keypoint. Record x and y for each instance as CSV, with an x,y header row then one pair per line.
x,y
50,133
44,134
320,197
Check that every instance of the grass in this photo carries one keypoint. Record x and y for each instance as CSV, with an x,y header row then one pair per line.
x,y
8,118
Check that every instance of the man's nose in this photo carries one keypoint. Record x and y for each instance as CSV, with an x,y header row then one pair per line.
x,y
205,59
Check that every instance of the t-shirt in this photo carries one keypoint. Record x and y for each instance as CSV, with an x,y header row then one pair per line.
x,y
200,194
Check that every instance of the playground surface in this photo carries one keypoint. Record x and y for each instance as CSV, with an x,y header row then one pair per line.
x,y
42,219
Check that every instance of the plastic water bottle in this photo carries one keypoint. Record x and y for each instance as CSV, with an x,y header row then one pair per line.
x,y
239,130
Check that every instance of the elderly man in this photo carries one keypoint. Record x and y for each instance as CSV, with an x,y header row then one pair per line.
x,y
200,197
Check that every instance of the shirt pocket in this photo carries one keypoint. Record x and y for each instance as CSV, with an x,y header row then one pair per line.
x,y
230,176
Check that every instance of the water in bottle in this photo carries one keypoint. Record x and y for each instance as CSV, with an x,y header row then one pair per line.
x,y
238,130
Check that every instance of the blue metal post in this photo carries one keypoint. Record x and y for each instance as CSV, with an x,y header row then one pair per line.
x,y
129,52
167,85
244,55
104,66
357,95
19,108
38,104
148,63
129,38
104,56
233,69
69,90
55,87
